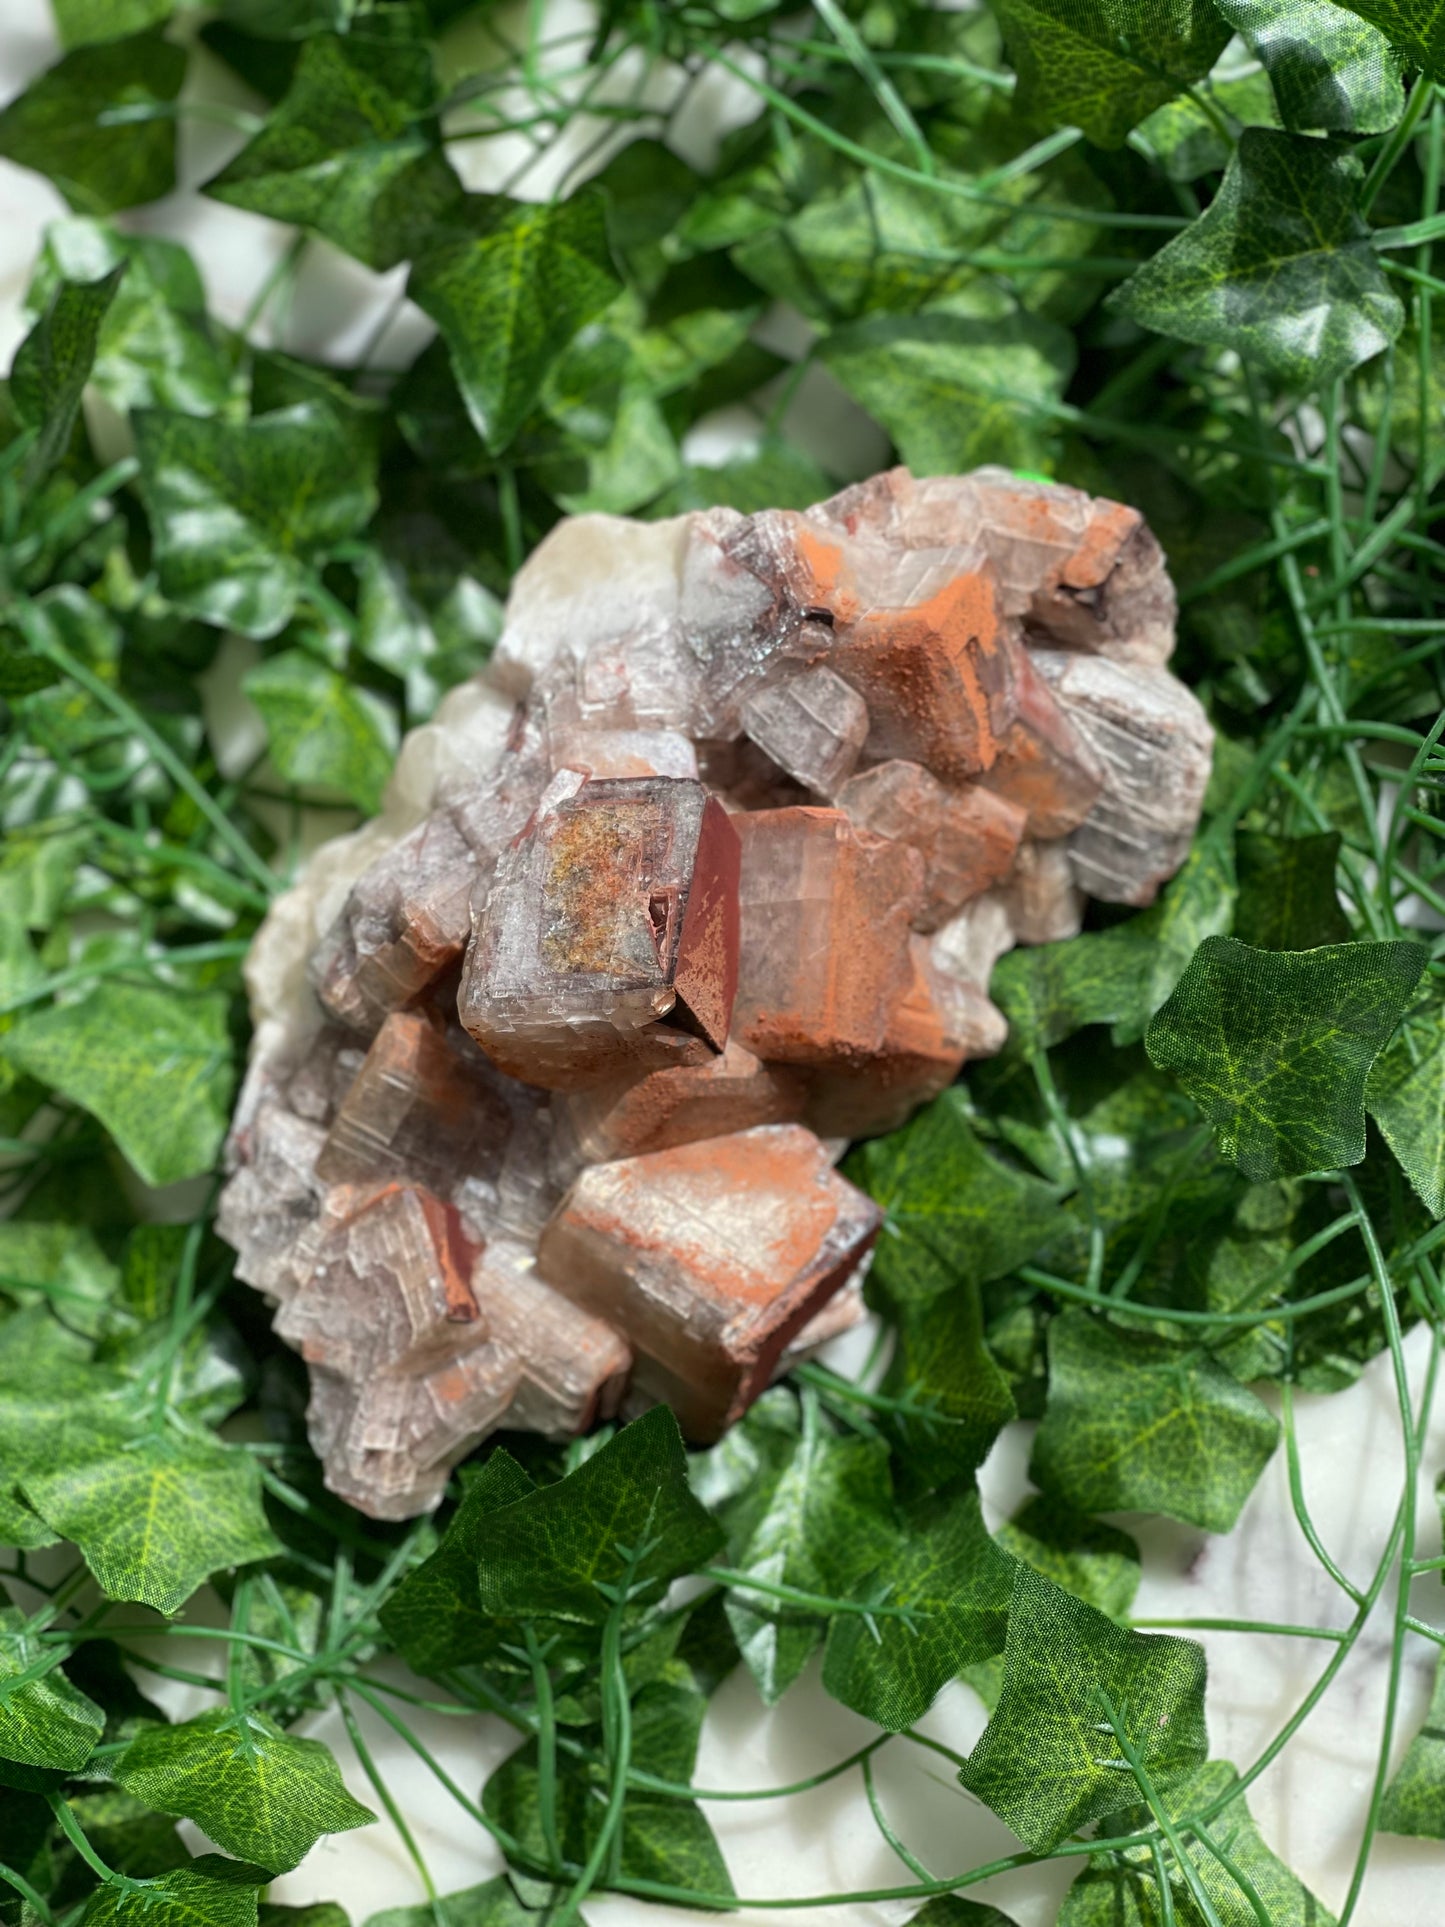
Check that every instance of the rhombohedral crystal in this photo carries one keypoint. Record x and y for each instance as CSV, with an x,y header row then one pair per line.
x,y
704,877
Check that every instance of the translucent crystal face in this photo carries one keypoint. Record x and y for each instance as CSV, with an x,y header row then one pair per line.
x,y
706,876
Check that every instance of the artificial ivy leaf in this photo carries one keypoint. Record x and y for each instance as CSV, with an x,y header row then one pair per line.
x,y
1287,894
316,1913
1331,72
509,292
663,1838
154,1516
959,1400
260,1793
1416,33
953,1213
60,1265
952,1910
26,1824
53,364
956,390
1048,1761
96,124
1415,1798
434,1617
1275,1046
1102,65
153,1065
1279,267
1405,1094
84,21
773,475
156,346
127,1836
321,729
1121,1889
810,1500
44,1721
241,513
494,1904
208,1892
353,150
951,1575
1095,1562
559,1551
1138,1424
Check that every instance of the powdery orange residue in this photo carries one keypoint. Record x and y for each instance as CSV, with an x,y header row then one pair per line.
x,y
1110,527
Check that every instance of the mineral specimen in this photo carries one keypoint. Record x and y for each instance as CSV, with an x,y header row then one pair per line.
x,y
704,877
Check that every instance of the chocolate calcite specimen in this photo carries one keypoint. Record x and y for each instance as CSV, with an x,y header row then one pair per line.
x,y
619,907
826,910
703,878
710,1257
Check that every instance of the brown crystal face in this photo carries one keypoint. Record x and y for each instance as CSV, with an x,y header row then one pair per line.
x,y
617,908
710,1257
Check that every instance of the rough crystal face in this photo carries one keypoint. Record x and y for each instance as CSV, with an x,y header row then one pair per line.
x,y
706,876
618,908
710,1257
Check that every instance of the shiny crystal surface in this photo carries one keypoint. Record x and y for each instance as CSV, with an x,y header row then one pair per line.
x,y
703,878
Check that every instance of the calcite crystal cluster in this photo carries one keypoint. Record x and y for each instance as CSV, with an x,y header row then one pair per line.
x,y
705,877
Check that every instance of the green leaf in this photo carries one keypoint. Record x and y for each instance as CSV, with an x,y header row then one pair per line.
x,y
209,1892
316,1913
1415,1798
1416,33
258,1792
1287,894
242,513
126,1835
959,1400
553,1552
952,1910
1121,1889
493,1904
156,346
435,1616
1102,65
58,1264
153,1065
353,150
99,124
322,730
154,1516
957,390
1138,1424
954,1214
44,1720
509,293
1095,1562
82,22
809,1500
1275,1046
53,364
1279,267
1048,1762
952,1576
1331,73
1405,1094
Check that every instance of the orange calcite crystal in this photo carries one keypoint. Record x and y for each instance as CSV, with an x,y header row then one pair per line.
x,y
710,1257
719,853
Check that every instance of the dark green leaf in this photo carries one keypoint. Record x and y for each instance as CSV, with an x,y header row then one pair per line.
x,y
1405,1094
209,1892
58,1264
955,390
154,1516
1275,1046
956,1582
1048,1761
241,512
83,21
127,1836
1417,33
1287,894
493,1904
53,364
317,1913
323,731
1096,1562
258,1792
99,123
153,1065
952,1910
1135,1423
1279,267
958,1400
1331,73
1415,1798
435,1615
628,1509
44,1720
1102,65
954,1214
353,150
509,293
